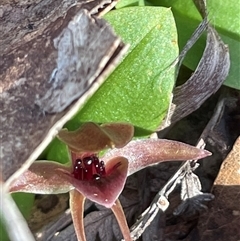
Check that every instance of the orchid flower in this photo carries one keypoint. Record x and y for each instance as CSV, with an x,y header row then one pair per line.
x,y
100,179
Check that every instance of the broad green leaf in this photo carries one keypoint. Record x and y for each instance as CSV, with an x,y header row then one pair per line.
x,y
57,151
127,3
223,15
24,202
3,232
138,91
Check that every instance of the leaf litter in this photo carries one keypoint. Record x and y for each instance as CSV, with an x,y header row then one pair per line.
x,y
222,220
99,227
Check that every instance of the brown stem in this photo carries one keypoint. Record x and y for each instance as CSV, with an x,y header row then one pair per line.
x,y
77,208
122,222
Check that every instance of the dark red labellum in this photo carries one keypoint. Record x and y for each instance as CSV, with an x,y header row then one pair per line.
x,y
89,168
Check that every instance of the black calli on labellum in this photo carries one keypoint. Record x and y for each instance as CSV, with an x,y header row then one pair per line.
x,y
90,167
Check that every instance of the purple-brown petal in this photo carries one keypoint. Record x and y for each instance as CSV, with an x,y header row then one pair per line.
x,y
43,177
147,152
91,137
104,190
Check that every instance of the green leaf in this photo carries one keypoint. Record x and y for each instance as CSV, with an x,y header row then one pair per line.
x,y
139,90
24,202
57,151
3,232
224,16
127,3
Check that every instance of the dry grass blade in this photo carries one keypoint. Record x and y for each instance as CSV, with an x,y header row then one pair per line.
x,y
14,222
212,70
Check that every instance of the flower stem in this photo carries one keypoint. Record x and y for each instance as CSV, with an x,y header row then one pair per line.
x,y
77,208
122,222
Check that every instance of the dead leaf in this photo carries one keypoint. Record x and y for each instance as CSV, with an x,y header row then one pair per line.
x,y
27,19
46,208
35,79
211,71
222,220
